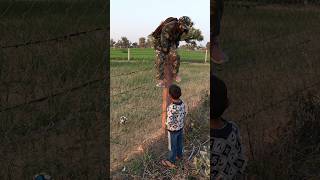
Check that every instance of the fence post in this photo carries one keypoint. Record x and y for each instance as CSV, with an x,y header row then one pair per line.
x,y
165,93
206,56
128,54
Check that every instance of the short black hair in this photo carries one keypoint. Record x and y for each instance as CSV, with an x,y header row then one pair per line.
x,y
175,91
219,101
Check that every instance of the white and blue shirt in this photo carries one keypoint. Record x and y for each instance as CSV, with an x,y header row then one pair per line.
x,y
176,113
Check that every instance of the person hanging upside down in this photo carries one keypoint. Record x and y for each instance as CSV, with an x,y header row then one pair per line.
x,y
166,41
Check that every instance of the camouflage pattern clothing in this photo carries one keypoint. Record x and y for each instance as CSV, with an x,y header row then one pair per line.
x,y
166,48
160,60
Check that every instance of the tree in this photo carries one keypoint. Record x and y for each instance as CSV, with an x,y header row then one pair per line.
x,y
150,41
134,45
193,44
208,45
125,43
118,44
193,34
112,42
191,37
142,42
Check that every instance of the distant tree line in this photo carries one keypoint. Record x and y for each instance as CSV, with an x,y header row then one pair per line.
x,y
193,36
125,43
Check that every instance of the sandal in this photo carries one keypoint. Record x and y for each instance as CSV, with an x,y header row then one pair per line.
x,y
168,164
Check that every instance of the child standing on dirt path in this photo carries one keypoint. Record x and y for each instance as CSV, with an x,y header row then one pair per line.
x,y
227,158
176,114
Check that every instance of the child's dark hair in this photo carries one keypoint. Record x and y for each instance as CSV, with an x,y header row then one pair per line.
x,y
218,97
174,91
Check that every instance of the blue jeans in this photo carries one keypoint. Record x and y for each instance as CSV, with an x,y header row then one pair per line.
x,y
175,142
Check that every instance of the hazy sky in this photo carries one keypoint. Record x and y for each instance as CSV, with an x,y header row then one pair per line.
x,y
138,18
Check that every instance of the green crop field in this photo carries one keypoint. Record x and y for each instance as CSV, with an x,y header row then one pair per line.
x,y
149,54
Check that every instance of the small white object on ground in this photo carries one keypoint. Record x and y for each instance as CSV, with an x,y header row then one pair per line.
x,y
124,169
123,120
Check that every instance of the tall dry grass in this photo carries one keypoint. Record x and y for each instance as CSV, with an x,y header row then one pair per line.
x,y
273,58
62,135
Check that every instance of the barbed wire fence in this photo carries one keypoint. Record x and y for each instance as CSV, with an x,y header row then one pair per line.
x,y
53,81
273,61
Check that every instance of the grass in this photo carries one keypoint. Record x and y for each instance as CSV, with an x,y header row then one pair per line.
x,y
142,107
148,166
149,54
42,20
273,54
62,135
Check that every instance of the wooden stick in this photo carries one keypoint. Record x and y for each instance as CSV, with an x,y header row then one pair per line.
x,y
165,93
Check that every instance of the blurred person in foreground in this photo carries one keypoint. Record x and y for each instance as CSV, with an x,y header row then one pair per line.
x,y
216,54
227,161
